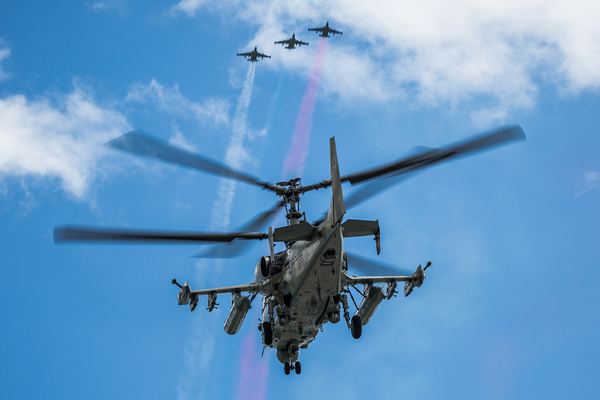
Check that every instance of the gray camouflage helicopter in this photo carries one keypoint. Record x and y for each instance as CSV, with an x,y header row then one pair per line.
x,y
307,285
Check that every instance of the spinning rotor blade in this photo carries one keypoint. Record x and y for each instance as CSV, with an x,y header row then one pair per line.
x,y
81,234
238,247
397,171
433,156
140,143
374,268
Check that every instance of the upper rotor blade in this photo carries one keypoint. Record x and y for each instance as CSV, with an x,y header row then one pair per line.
x,y
374,268
140,143
238,247
433,156
82,234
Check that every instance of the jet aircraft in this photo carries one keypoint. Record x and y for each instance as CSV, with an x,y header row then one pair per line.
x,y
291,42
307,284
326,30
254,54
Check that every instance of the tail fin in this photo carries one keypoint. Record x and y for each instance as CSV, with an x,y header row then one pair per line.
x,y
336,210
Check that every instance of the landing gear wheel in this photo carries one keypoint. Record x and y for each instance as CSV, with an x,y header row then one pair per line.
x,y
267,333
356,327
286,368
297,367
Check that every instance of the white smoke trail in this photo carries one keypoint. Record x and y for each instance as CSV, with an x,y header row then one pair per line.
x,y
200,348
234,157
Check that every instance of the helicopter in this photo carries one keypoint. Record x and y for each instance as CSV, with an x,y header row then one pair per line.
x,y
307,285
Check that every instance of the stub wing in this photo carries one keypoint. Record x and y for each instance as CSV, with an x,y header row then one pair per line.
x,y
264,288
365,280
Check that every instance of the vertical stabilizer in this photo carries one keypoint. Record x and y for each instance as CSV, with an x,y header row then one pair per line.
x,y
337,210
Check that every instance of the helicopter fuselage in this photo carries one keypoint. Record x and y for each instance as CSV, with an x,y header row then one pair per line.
x,y
310,291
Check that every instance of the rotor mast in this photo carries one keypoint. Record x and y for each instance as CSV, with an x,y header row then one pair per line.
x,y
291,200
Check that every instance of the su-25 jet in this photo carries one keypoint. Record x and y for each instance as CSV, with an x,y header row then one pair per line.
x,y
325,30
307,285
254,54
291,42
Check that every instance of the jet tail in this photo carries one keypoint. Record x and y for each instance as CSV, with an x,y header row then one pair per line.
x,y
336,210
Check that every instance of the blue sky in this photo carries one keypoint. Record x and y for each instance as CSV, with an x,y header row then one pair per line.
x,y
510,306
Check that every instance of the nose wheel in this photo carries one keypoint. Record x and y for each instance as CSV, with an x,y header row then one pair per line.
x,y
287,368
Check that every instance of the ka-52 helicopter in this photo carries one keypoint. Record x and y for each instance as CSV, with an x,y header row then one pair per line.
x,y
307,285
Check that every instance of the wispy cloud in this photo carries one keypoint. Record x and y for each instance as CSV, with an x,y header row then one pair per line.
x,y
495,53
188,7
170,99
56,137
590,181
4,54
107,5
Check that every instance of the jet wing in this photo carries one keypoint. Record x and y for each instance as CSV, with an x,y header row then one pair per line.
x,y
334,31
244,54
299,42
264,288
283,41
316,29
261,55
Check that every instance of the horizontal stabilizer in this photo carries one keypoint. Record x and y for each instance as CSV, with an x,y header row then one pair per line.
x,y
357,227
301,231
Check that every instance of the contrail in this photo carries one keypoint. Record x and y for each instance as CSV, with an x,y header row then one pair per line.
x,y
200,348
294,162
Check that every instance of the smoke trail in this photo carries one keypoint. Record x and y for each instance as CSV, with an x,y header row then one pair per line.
x,y
294,162
234,156
200,348
254,371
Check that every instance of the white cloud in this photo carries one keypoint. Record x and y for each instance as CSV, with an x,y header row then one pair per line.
x,y
4,53
434,51
58,138
170,99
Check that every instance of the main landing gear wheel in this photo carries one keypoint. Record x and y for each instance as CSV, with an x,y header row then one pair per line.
x,y
267,332
298,368
356,327
286,368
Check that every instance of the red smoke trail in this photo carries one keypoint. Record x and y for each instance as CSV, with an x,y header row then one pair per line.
x,y
294,162
254,371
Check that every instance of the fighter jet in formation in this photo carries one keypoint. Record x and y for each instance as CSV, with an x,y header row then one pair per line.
x,y
254,54
326,30
291,42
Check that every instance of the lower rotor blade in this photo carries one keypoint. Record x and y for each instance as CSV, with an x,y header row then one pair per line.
x,y
239,247
374,268
81,234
